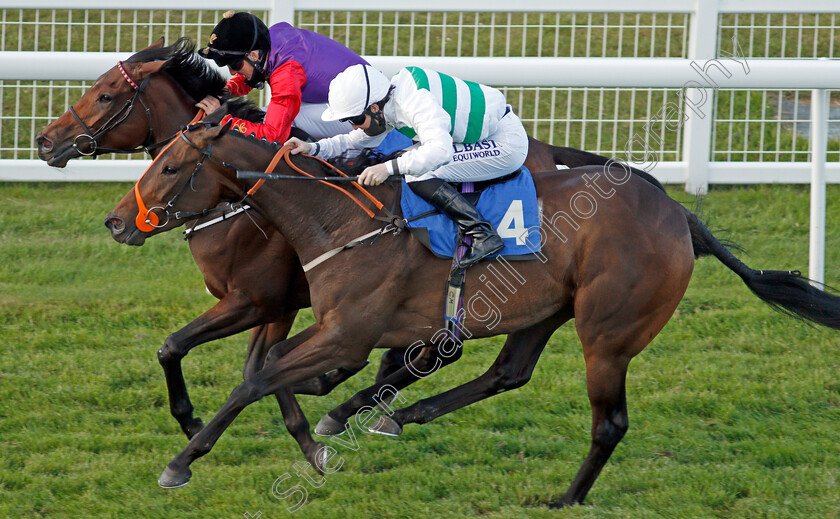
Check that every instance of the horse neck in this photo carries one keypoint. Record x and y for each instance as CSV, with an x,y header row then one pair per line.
x,y
312,216
171,108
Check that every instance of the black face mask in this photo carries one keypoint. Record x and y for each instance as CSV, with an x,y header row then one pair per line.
x,y
377,123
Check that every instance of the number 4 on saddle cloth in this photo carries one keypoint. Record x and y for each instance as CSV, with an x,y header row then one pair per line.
x,y
509,203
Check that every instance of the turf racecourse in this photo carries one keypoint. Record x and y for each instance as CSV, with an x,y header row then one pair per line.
x,y
734,409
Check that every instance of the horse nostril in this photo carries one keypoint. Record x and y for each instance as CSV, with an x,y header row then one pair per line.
x,y
115,224
44,143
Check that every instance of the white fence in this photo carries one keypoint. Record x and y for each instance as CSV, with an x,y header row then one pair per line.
x,y
593,75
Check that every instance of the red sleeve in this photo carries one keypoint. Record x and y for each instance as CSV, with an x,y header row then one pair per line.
x,y
286,83
236,85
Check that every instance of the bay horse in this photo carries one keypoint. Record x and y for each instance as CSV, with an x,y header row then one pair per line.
x,y
620,271
257,278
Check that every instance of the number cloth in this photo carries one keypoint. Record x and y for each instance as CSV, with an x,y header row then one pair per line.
x,y
510,207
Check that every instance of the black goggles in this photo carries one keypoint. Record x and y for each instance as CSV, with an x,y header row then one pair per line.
x,y
236,66
356,120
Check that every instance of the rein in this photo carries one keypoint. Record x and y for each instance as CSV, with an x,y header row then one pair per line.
x,y
285,154
393,223
147,219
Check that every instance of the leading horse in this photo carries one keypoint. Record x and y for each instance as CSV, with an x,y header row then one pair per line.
x,y
620,269
139,105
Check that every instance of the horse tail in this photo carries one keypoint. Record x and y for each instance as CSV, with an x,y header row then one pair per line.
x,y
787,292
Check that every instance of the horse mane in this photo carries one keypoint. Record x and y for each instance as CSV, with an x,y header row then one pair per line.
x,y
264,143
244,108
197,77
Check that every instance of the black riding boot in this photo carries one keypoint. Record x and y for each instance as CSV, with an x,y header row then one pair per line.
x,y
485,240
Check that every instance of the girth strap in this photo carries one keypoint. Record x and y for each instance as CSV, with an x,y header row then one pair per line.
x,y
349,245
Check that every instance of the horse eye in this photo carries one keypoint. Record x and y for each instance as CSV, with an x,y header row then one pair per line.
x,y
169,170
105,98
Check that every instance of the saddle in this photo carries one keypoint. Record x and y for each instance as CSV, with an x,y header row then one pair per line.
x,y
509,203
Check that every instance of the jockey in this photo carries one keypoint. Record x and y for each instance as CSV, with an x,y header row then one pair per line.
x,y
466,131
298,65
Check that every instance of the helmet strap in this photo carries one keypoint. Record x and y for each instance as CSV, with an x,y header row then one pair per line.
x,y
258,76
367,86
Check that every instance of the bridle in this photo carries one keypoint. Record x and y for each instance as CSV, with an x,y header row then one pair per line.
x,y
89,137
148,219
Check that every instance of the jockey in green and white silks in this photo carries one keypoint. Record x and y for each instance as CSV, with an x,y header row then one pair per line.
x,y
466,132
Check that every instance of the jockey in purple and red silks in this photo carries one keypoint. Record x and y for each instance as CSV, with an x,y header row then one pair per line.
x,y
298,65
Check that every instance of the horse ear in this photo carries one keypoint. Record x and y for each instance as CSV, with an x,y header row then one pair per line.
x,y
147,69
158,44
216,116
225,128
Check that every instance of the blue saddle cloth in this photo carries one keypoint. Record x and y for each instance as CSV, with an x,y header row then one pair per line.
x,y
511,207
393,141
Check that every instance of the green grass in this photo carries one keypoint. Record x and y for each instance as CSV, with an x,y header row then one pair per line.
x,y
734,409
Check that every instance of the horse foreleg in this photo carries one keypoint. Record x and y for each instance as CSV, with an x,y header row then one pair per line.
x,y
315,351
294,418
298,426
391,361
234,313
324,384
511,369
261,340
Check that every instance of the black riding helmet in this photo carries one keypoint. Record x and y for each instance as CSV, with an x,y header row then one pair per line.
x,y
236,35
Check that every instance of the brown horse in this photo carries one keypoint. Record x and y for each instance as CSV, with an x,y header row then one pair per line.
x,y
257,279
620,269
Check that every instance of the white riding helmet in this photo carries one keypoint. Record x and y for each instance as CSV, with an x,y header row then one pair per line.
x,y
353,90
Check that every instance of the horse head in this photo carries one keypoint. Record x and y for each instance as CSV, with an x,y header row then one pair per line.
x,y
131,106
184,182
106,116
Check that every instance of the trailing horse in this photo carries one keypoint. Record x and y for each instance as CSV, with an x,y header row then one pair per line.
x,y
139,105
620,271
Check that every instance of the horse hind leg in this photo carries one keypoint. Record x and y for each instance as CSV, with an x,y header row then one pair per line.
x,y
512,368
613,330
382,393
605,379
608,347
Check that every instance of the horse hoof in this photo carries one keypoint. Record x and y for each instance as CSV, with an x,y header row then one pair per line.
x,y
563,502
174,479
387,426
317,457
194,428
329,426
